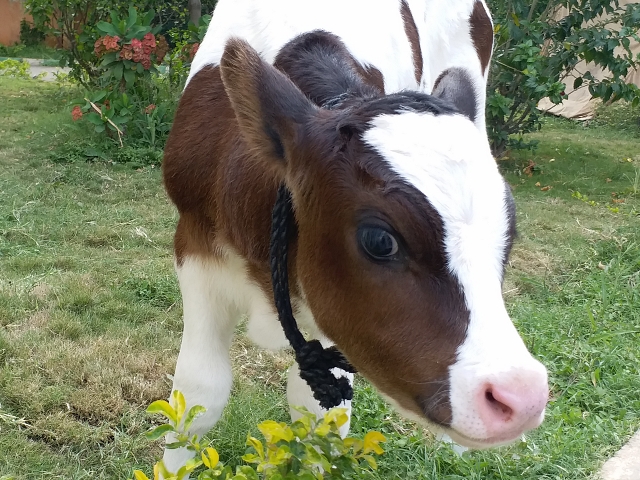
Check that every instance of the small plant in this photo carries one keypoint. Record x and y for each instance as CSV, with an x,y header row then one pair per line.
x,y
308,449
153,125
634,190
14,68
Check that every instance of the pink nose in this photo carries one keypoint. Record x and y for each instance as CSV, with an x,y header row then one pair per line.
x,y
510,406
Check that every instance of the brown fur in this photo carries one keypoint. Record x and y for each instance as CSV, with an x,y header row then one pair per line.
x,y
481,34
411,30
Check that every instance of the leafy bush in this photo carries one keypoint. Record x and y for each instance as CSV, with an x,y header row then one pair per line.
x,y
536,53
186,41
308,449
133,99
128,99
74,23
30,35
129,47
14,68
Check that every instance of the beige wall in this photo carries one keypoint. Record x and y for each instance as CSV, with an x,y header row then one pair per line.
x,y
11,12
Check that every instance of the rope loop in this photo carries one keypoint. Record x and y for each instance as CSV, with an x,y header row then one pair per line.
x,y
315,362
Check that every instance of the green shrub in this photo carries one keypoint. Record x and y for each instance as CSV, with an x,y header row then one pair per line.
x,y
74,23
14,68
30,35
134,101
536,52
187,42
128,100
308,449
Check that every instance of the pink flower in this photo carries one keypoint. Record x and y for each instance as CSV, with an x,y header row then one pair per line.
x,y
126,53
111,43
149,109
76,113
98,47
149,40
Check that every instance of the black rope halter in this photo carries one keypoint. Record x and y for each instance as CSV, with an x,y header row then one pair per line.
x,y
315,362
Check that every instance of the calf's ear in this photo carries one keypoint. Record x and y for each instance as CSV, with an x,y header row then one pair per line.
x,y
270,109
456,86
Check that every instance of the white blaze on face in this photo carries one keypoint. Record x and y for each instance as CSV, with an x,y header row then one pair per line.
x,y
449,160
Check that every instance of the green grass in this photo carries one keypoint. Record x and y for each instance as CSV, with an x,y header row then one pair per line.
x,y
35,51
90,318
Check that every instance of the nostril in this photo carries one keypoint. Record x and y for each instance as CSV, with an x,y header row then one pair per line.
x,y
504,411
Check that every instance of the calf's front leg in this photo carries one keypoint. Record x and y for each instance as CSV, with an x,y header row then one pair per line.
x,y
203,371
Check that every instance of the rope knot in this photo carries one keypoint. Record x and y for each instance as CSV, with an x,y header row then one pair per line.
x,y
315,362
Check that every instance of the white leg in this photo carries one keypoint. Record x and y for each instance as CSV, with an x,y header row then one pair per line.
x,y
299,395
203,371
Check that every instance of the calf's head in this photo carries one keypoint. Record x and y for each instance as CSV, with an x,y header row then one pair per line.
x,y
404,228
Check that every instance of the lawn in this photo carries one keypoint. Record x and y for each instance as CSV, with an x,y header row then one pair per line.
x,y
40,52
90,312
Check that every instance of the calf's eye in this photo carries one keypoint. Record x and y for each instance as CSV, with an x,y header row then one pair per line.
x,y
377,243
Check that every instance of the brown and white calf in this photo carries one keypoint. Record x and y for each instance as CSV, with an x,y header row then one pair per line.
x,y
372,113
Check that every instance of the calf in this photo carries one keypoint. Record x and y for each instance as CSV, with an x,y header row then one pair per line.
x,y
403,224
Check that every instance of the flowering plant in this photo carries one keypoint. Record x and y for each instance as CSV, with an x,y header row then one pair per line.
x,y
129,46
128,52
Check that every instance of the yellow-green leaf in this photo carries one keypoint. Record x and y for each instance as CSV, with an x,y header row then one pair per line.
x,y
305,413
312,454
301,427
354,444
257,446
193,413
210,457
371,442
274,432
139,475
251,458
163,408
158,432
371,461
188,467
179,404
323,429
280,456
337,415
160,469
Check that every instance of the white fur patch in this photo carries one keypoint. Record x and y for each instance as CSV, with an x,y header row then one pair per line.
x,y
448,160
372,30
